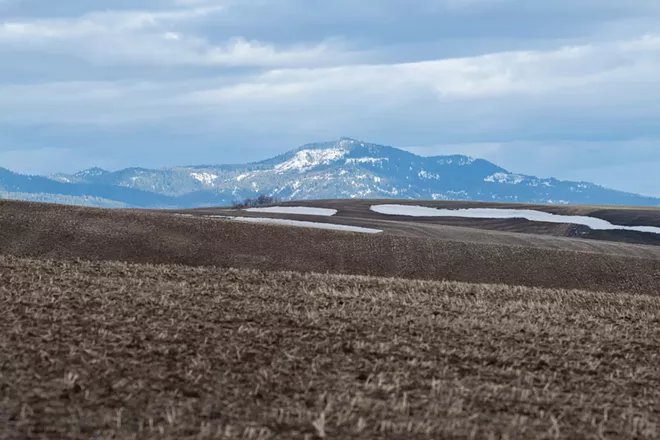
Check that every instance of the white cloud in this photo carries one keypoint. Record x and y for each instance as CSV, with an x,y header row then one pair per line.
x,y
508,88
95,23
580,70
148,38
546,113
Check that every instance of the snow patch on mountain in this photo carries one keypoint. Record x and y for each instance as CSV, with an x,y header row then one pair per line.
x,y
579,187
372,160
305,160
537,182
205,178
512,179
451,160
451,195
426,175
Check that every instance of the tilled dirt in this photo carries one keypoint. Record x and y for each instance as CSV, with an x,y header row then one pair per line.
x,y
119,351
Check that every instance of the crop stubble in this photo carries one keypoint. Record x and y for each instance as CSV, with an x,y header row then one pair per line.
x,y
114,350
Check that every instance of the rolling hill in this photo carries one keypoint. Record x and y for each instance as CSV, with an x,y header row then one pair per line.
x,y
501,252
125,323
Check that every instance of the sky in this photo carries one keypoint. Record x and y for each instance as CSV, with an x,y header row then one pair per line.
x,y
562,88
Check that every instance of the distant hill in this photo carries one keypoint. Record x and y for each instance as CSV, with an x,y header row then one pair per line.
x,y
346,168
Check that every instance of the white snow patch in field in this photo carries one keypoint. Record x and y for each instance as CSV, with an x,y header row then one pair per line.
x,y
205,178
302,210
494,213
302,224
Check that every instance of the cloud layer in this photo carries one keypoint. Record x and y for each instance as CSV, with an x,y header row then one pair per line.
x,y
554,88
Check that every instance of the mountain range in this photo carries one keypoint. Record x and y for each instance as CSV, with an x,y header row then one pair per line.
x,y
345,168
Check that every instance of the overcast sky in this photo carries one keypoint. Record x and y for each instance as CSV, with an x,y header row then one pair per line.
x,y
563,88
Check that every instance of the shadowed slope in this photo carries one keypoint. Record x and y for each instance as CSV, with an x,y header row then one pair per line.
x,y
64,232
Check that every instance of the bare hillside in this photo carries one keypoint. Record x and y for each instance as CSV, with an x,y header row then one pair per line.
x,y
65,233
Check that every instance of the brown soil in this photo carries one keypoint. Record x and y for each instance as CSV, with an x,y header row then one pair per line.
x,y
119,351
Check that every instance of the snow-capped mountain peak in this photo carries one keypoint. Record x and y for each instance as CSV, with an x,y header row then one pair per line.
x,y
350,168
304,160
